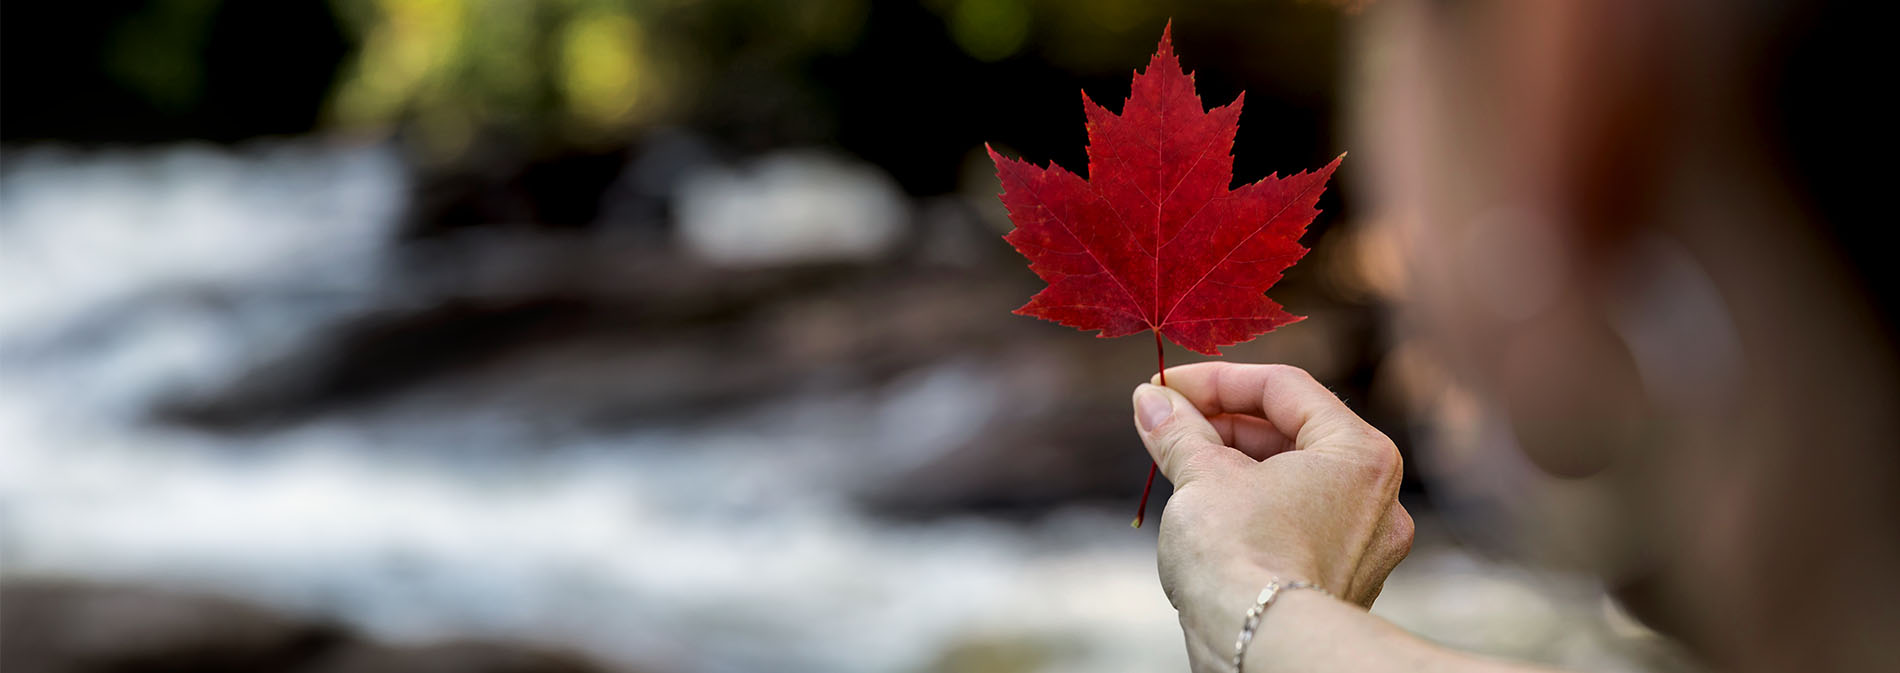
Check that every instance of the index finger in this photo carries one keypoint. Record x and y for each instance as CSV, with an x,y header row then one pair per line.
x,y
1288,397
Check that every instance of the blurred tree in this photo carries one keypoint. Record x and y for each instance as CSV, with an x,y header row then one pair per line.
x,y
116,71
488,87
578,73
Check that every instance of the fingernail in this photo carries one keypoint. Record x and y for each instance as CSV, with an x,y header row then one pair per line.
x,y
1152,408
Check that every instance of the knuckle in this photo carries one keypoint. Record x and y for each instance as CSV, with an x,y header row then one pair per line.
x,y
1196,458
1372,437
1170,443
1216,373
1404,533
1166,456
1382,463
1173,436
1290,371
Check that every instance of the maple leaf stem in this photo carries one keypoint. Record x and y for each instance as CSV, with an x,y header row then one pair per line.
x,y
1141,510
1161,370
1161,361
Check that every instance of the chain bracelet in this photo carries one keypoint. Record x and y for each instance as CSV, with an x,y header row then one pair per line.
x,y
1259,608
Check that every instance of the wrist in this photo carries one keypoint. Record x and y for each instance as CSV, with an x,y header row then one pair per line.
x,y
1285,639
1213,612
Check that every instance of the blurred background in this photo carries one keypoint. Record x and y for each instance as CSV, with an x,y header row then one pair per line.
x,y
635,335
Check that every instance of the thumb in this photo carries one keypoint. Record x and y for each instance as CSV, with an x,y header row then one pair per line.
x,y
1176,433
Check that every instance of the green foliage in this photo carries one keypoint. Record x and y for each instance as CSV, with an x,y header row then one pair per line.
x,y
566,72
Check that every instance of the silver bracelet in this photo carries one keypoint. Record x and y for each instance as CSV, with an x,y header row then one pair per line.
x,y
1259,608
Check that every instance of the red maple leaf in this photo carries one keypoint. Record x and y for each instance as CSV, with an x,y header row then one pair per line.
x,y
1154,240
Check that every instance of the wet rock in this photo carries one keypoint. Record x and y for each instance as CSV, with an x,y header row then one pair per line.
x,y
65,627
458,657
58,626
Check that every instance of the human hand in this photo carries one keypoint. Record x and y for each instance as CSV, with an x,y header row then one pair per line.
x,y
1273,477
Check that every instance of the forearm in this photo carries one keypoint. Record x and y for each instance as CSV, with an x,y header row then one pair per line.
x,y
1307,631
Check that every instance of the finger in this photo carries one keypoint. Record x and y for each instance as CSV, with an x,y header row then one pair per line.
x,y
1391,543
1252,435
1177,436
1286,396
